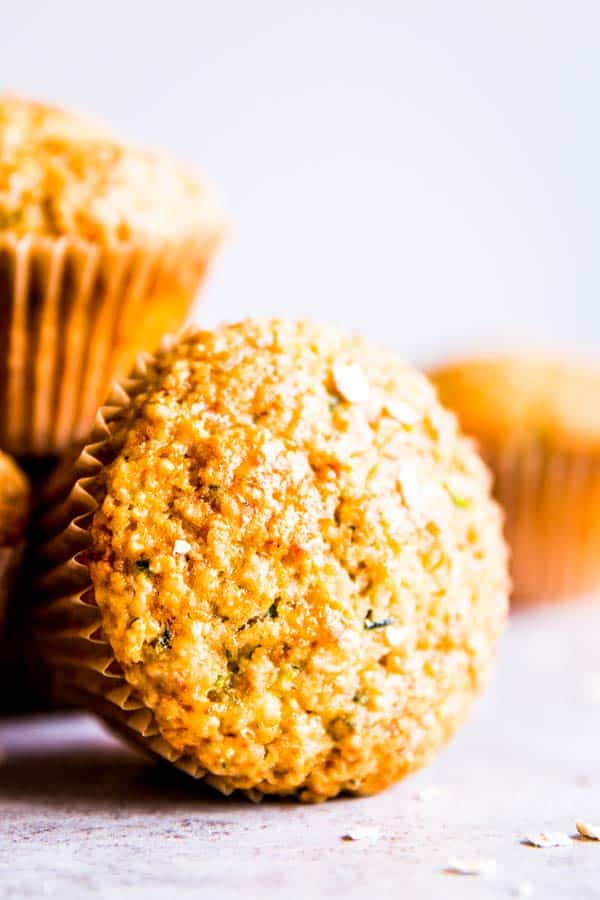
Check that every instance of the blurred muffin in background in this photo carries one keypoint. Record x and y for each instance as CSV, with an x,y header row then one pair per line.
x,y
537,421
102,249
14,510
279,566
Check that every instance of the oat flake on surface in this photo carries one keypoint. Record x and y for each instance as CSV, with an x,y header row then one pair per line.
x,y
591,832
548,839
475,866
362,833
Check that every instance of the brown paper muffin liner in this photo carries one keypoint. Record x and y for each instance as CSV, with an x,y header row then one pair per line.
x,y
73,315
68,625
551,498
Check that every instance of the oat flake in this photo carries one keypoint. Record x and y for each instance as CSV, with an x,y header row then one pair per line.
x,y
351,382
486,867
396,635
362,833
592,832
181,546
548,839
403,412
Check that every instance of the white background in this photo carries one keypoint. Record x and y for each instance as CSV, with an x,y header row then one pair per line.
x,y
424,172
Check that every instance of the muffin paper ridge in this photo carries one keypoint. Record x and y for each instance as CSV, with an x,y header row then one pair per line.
x,y
68,623
70,317
550,496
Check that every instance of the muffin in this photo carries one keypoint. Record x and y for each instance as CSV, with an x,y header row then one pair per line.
x,y
102,248
14,508
537,421
279,566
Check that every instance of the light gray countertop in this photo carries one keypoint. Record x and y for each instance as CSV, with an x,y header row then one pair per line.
x,y
81,816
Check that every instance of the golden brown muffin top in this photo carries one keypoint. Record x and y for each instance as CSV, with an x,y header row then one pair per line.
x,y
62,175
518,398
297,560
14,501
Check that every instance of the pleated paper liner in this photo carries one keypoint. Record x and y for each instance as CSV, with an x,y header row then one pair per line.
x,y
68,624
73,316
551,498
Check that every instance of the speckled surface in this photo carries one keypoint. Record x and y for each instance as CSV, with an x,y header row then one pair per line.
x,y
81,816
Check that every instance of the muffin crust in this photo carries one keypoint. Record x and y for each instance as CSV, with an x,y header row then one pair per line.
x,y
524,398
62,175
297,561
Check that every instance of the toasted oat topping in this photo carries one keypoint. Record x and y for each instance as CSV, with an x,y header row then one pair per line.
x,y
181,546
402,411
350,382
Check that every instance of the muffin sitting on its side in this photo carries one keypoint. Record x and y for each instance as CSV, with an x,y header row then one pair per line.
x,y
14,509
286,573
102,248
537,421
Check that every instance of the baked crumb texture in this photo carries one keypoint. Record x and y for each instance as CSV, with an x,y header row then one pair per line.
x,y
295,562
63,175
538,426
